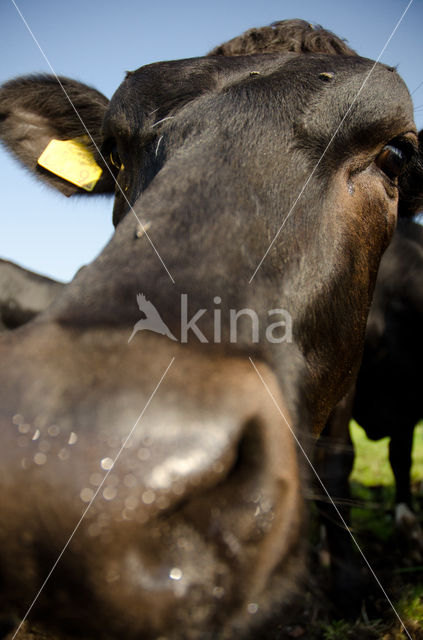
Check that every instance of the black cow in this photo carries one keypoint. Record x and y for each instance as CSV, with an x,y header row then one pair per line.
x,y
23,294
385,401
388,391
197,531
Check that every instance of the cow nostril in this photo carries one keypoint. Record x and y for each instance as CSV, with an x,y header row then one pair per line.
x,y
250,455
243,466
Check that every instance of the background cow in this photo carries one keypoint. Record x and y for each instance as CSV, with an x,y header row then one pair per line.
x,y
389,378
23,294
198,528
386,402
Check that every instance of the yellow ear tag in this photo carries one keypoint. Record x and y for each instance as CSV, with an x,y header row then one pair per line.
x,y
72,161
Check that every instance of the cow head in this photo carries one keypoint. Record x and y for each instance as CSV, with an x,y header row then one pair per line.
x,y
197,529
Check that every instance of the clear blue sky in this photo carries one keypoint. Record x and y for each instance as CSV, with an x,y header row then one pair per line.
x,y
96,41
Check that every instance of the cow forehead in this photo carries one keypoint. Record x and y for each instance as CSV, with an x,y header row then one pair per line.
x,y
156,91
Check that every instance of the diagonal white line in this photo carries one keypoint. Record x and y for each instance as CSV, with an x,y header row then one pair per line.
x,y
329,497
330,142
91,501
418,87
91,138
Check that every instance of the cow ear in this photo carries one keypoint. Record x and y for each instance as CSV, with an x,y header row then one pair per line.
x,y
39,124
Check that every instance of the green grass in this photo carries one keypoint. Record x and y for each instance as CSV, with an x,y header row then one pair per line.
x,y
336,630
372,481
417,468
410,607
371,465
372,485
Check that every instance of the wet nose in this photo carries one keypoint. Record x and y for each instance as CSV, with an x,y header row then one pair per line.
x,y
183,455
218,496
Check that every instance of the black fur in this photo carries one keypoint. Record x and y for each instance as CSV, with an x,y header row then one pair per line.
x,y
297,36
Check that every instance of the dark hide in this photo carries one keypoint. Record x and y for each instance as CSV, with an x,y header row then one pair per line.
x,y
198,532
386,400
23,294
410,185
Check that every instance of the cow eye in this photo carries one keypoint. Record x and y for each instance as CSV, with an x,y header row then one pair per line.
x,y
115,158
392,161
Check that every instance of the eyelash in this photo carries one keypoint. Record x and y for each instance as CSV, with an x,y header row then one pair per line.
x,y
394,158
110,153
